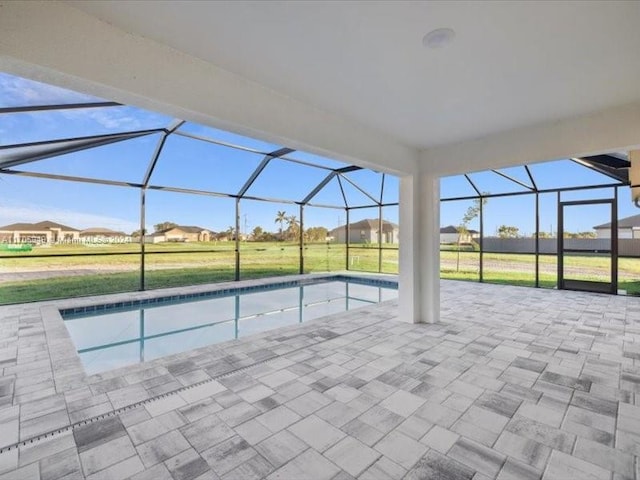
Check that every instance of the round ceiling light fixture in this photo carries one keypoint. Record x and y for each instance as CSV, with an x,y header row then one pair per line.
x,y
439,37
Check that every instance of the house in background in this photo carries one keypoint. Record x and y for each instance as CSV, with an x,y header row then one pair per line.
x,y
366,231
449,234
41,232
103,235
628,227
181,233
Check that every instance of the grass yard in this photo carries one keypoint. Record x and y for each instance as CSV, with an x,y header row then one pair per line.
x,y
48,272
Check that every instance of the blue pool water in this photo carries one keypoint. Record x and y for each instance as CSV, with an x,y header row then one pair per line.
x,y
115,335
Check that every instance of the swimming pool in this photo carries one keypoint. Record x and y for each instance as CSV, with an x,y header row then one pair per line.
x,y
115,335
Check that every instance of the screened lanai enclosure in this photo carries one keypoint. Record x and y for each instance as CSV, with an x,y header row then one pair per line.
x,y
568,224
98,197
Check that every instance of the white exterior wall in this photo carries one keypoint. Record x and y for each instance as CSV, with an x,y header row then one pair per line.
x,y
448,238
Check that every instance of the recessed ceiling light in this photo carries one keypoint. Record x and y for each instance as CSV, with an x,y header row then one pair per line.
x,y
438,38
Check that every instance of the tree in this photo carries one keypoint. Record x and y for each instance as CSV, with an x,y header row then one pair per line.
x,y
164,226
293,227
507,231
542,235
316,234
257,233
281,217
463,229
136,234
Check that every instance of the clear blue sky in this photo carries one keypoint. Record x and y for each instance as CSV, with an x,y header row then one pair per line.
x,y
194,164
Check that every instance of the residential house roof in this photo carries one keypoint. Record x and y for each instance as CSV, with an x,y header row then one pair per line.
x,y
627,222
43,226
183,228
369,224
452,229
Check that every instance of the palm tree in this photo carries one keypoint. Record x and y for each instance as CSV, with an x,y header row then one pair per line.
x,y
281,217
292,225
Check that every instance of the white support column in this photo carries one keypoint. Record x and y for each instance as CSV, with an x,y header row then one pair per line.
x,y
419,280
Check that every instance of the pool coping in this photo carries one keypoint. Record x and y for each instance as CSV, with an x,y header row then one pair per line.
x,y
47,369
66,367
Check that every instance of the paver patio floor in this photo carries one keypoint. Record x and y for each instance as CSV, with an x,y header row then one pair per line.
x,y
514,383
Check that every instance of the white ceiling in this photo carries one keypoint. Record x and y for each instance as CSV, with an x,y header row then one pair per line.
x,y
512,64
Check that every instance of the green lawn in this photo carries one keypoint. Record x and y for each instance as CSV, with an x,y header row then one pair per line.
x,y
116,268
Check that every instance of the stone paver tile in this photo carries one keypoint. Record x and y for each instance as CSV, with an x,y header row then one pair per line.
x,y
604,456
478,457
352,456
148,430
9,425
119,471
162,448
589,433
591,419
403,403
30,472
43,424
42,406
529,364
9,461
316,432
60,465
627,442
134,416
228,455
278,378
403,450
310,465
435,465
164,405
206,432
196,411
157,472
439,439
383,469
415,427
106,454
278,418
256,468
255,393
438,414
45,447
308,403
595,404
472,431
342,393
545,434
280,448
127,396
566,381
253,431
97,433
238,413
541,414
514,470
485,419
337,413
523,449
381,418
187,465
200,392
562,467
363,432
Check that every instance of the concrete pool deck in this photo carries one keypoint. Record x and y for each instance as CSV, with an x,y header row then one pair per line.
x,y
513,383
